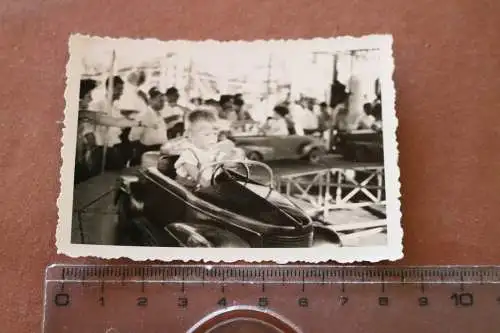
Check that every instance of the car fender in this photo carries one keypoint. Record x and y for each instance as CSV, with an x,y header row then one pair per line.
x,y
150,159
266,152
203,235
125,186
324,232
307,148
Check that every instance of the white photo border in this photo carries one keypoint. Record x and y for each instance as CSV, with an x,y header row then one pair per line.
x,y
392,251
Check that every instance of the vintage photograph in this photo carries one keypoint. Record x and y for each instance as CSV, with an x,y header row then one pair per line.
x,y
281,150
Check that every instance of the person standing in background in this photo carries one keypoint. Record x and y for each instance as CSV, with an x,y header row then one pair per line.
x,y
241,114
227,108
111,136
365,120
341,123
277,124
310,119
154,135
85,139
134,103
174,114
325,117
104,127
377,107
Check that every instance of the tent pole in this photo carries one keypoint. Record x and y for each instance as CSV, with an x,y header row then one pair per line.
x,y
334,79
109,104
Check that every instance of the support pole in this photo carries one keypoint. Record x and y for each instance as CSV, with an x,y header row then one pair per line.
x,y
334,79
109,105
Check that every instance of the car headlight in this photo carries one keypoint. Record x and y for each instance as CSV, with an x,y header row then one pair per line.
x,y
197,240
150,159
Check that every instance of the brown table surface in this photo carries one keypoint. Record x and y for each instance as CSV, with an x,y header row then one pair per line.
x,y
448,102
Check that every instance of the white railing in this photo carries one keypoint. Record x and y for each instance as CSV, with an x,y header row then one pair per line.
x,y
336,188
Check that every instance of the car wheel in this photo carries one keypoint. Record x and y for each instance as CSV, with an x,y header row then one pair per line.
x,y
315,155
255,156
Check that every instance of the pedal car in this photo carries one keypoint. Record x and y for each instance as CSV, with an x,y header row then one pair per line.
x,y
361,145
276,147
234,211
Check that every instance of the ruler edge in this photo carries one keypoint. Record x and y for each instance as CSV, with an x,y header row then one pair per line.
x,y
495,269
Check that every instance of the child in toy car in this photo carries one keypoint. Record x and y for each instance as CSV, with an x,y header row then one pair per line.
x,y
199,148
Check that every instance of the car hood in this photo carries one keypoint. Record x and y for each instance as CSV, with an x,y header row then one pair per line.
x,y
256,201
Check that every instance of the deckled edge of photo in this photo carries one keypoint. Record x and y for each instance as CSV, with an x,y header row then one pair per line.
x,y
392,251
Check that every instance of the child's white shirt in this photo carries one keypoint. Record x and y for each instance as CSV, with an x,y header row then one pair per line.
x,y
198,158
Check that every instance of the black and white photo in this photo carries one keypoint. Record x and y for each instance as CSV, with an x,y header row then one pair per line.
x,y
281,150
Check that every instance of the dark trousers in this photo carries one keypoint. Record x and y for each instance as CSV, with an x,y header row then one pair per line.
x,y
176,131
136,153
140,149
310,131
116,158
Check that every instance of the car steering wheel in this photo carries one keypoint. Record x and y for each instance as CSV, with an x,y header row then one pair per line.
x,y
220,166
245,163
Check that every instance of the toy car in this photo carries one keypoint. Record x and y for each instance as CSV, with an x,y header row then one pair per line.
x,y
276,147
361,145
234,211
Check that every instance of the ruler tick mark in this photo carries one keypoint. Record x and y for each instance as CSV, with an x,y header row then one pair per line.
x,y
342,286
84,276
183,279
143,280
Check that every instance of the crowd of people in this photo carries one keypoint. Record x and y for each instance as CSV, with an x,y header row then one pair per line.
x,y
114,131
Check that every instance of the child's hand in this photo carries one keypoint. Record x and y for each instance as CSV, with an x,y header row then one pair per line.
x,y
225,146
236,154
204,182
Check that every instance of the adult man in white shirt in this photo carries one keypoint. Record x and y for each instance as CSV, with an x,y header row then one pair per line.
x,y
134,100
104,134
115,139
155,135
174,114
277,125
309,119
94,123
134,103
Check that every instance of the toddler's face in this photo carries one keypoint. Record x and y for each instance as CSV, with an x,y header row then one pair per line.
x,y
203,134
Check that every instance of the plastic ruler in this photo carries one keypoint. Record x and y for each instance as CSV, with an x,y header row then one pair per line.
x,y
271,298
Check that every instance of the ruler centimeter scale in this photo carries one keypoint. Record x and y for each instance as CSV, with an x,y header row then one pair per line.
x,y
271,298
